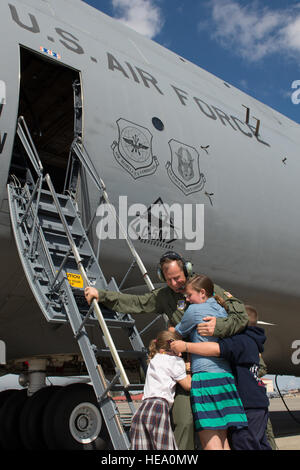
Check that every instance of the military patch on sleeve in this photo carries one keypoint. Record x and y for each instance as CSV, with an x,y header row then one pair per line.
x,y
228,294
181,305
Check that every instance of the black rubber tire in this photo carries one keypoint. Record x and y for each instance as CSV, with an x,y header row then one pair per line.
x,y
31,419
56,427
9,418
4,395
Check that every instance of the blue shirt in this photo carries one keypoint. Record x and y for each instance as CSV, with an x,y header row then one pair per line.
x,y
193,315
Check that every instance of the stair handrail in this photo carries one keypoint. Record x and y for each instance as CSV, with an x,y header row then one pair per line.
x,y
28,144
97,310
90,168
25,137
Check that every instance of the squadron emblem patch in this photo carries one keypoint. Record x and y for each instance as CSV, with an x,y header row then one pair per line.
x,y
181,305
133,151
183,169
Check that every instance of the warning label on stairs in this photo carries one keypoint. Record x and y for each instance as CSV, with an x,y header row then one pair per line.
x,y
75,280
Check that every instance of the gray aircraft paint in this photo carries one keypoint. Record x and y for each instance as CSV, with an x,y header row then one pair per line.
x,y
251,221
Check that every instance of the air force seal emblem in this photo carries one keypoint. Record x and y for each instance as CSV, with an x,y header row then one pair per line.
x,y
133,151
183,169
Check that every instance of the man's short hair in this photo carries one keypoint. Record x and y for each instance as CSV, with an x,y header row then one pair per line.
x,y
171,256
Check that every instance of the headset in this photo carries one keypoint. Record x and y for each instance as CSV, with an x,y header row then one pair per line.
x,y
187,265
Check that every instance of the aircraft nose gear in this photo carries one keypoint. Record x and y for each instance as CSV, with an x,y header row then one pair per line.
x,y
85,423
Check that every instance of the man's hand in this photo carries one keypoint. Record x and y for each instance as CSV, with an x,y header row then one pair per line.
x,y
90,294
178,346
207,328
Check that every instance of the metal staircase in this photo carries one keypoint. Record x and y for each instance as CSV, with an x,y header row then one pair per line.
x,y
59,262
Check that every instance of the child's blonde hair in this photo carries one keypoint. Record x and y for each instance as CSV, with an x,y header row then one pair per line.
x,y
200,281
162,341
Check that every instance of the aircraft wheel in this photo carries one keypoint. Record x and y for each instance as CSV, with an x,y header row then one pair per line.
x,y
5,394
9,418
72,420
31,419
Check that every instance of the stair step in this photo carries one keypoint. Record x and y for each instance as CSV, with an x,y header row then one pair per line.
x,y
60,250
54,226
122,353
51,209
119,323
47,196
118,387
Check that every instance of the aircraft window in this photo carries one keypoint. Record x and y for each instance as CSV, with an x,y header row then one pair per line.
x,y
158,124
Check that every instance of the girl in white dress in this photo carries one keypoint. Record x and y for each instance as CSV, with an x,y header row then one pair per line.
x,y
151,427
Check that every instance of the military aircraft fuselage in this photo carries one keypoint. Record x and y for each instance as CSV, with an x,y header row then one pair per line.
x,y
160,131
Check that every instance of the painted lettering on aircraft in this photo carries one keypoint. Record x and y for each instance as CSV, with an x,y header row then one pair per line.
x,y
140,76
69,41
33,28
212,112
145,77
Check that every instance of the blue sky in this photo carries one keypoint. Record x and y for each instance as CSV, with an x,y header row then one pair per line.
x,y
253,45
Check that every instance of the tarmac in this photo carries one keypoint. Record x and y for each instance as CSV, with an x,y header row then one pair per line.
x,y
286,425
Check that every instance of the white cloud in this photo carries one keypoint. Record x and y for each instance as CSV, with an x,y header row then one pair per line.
x,y
292,34
141,15
244,84
253,31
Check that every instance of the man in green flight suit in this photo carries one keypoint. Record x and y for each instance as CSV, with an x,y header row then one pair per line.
x,y
174,270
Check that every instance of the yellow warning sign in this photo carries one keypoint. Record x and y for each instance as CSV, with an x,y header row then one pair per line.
x,y
75,280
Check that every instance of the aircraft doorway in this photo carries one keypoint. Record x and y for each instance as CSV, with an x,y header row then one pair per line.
x,y
47,103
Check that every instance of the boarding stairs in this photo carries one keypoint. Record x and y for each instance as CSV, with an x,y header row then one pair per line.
x,y
59,262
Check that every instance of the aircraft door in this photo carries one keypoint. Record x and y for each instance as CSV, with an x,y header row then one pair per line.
x,y
50,101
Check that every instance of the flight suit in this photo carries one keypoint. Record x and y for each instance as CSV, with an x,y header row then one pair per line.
x,y
173,304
